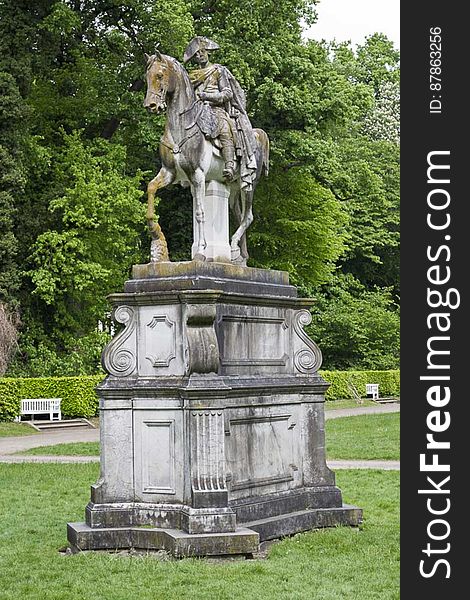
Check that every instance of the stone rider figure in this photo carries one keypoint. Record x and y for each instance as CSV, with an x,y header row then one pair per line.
x,y
223,115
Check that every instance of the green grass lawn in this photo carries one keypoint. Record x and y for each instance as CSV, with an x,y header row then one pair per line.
x,y
73,449
364,437
37,500
13,429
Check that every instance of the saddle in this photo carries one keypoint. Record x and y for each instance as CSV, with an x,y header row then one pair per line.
x,y
209,120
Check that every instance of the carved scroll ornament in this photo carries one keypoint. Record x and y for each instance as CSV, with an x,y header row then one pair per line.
x,y
308,358
120,355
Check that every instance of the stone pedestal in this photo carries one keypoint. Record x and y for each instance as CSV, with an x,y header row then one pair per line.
x,y
216,214
212,416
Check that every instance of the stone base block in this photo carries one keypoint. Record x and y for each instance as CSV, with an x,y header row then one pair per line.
x,y
271,528
161,516
283,503
180,544
195,275
243,541
212,418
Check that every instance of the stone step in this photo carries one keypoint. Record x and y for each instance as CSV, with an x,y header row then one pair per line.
x,y
304,520
387,400
242,541
66,424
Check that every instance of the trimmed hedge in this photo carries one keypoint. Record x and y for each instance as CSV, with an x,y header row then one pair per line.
x,y
78,394
79,398
344,382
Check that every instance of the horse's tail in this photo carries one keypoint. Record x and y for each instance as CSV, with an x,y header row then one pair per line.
x,y
263,142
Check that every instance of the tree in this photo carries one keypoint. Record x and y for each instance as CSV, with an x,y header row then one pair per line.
x,y
11,184
371,180
369,159
8,336
87,60
356,328
100,222
383,120
299,227
73,209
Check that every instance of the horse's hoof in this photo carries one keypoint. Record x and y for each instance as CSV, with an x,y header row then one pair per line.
x,y
200,257
238,258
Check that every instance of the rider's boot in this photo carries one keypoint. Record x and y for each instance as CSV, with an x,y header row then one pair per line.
x,y
229,171
228,153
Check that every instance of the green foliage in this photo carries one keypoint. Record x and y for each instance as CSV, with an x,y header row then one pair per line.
x,y
79,398
100,220
12,181
19,21
78,394
371,179
79,226
269,36
82,356
71,202
356,328
9,400
368,176
377,61
345,384
299,227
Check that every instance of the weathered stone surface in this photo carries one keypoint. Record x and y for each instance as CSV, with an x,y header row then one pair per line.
x,y
194,275
242,541
274,527
212,417
173,516
200,150
264,507
216,215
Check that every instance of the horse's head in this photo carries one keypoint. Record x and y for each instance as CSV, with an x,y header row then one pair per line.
x,y
159,76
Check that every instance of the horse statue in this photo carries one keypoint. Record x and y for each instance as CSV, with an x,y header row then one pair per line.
x,y
193,160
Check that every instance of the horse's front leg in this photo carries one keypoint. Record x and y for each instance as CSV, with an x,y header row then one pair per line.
x,y
198,188
158,248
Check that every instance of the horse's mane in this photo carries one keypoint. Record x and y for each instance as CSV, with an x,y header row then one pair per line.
x,y
178,68
184,74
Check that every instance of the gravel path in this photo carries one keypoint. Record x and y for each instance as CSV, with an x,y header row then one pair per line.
x,y
387,465
335,413
18,458
10,446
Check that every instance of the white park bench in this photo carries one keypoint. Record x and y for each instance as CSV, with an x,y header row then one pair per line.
x,y
372,390
42,406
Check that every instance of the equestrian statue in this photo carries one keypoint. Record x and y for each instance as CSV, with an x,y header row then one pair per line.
x,y
208,137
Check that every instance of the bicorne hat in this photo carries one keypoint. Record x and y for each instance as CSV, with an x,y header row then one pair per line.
x,y
198,43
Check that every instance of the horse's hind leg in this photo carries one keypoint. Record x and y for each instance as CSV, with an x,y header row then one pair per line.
x,y
198,189
158,248
244,216
237,212
244,248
